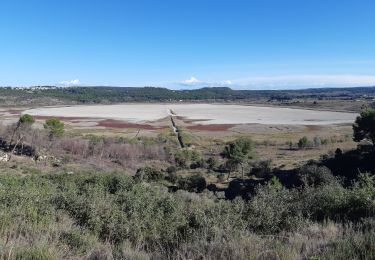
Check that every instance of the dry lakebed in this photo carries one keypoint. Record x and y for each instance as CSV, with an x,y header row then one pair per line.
x,y
204,114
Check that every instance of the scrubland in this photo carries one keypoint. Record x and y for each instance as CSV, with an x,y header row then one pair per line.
x,y
248,192
114,216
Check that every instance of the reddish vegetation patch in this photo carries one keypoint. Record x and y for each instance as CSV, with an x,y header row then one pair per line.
x,y
110,123
62,118
214,128
15,111
121,124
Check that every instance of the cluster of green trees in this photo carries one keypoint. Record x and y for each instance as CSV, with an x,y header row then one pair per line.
x,y
54,126
364,126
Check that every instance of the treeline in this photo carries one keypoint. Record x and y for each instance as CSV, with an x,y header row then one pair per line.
x,y
149,94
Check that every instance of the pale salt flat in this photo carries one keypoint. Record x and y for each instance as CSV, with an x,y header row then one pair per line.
x,y
205,113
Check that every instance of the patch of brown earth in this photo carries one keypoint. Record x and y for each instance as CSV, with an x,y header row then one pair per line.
x,y
212,128
313,127
189,121
121,124
183,119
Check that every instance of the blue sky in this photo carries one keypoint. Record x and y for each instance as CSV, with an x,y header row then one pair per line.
x,y
188,43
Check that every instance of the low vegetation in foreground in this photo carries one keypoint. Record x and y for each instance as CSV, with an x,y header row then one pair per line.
x,y
322,210
111,216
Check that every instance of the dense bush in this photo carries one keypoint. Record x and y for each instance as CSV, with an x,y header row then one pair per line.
x,y
262,169
185,157
313,175
304,142
364,126
195,183
171,169
211,163
274,208
149,174
333,201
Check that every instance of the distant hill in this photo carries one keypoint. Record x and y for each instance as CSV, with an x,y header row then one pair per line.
x,y
100,94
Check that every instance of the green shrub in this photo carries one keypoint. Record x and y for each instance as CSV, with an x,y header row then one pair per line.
x,y
324,202
274,209
185,157
171,169
148,174
211,163
181,158
54,127
198,164
313,175
26,119
195,183
149,215
304,142
335,202
262,169
172,177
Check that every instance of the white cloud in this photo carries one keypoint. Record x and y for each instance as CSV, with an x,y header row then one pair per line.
x,y
281,82
195,82
305,81
70,82
191,81
226,82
